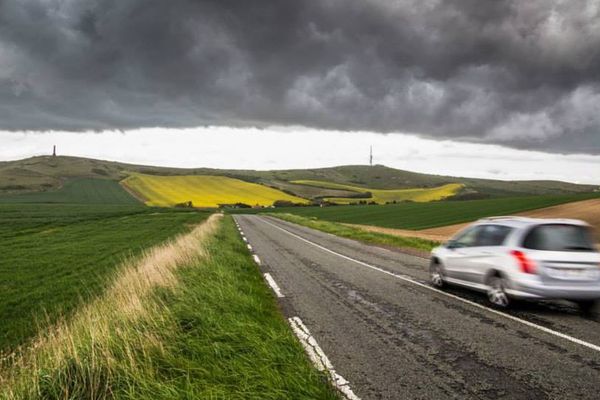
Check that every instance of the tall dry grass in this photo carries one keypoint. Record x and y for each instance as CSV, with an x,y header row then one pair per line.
x,y
110,340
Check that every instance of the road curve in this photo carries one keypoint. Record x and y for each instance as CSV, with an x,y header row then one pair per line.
x,y
396,339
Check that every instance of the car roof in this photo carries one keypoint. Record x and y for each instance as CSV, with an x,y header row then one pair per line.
x,y
520,222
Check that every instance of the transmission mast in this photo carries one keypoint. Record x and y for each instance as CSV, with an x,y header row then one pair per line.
x,y
371,157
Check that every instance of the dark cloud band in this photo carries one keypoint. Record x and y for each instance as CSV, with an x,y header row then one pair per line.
x,y
521,73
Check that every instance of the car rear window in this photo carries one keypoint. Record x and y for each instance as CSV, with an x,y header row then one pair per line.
x,y
559,237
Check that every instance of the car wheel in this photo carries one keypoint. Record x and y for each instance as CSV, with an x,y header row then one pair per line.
x,y
497,292
437,275
586,306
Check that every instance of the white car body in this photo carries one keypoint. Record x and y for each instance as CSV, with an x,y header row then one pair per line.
x,y
523,272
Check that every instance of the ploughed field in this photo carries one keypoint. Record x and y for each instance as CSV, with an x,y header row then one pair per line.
x,y
587,210
203,191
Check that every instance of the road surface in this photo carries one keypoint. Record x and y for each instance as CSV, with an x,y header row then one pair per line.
x,y
392,336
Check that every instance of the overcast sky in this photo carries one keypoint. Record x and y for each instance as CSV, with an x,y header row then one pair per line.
x,y
515,73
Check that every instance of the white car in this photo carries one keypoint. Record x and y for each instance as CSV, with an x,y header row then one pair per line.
x,y
522,258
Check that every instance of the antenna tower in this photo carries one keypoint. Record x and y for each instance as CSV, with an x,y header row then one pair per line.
x,y
371,157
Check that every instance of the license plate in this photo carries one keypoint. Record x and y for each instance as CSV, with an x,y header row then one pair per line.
x,y
572,273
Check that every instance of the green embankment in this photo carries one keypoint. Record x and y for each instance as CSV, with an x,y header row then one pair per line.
x,y
232,341
428,215
77,191
55,256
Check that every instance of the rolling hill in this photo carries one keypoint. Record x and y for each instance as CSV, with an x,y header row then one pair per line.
x,y
47,174
383,196
382,177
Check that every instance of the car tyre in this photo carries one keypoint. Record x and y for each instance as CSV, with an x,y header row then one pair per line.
x,y
496,293
586,307
437,275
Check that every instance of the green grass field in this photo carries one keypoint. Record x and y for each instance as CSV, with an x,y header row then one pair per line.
x,y
77,191
428,215
55,256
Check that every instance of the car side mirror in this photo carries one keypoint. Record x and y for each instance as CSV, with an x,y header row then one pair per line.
x,y
451,244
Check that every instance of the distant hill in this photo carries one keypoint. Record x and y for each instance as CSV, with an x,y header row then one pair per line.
x,y
382,177
49,173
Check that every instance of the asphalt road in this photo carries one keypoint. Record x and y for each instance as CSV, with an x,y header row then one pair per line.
x,y
395,338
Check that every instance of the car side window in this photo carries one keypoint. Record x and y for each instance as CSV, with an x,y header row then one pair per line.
x,y
468,238
493,235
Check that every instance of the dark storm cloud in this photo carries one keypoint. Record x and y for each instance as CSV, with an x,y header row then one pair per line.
x,y
520,73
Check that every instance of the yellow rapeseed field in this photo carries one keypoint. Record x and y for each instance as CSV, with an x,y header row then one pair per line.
x,y
383,196
203,191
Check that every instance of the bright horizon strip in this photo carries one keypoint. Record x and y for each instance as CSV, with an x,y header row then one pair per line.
x,y
300,148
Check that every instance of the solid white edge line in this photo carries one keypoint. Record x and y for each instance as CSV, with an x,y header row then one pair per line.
x,y
256,259
479,306
319,359
273,285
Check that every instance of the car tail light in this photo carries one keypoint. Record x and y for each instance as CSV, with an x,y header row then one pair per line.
x,y
526,265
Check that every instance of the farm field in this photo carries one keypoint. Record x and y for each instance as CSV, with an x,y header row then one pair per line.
x,y
203,191
416,216
56,256
77,191
189,319
383,196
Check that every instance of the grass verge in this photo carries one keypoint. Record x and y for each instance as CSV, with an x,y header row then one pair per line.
x,y
349,232
190,319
